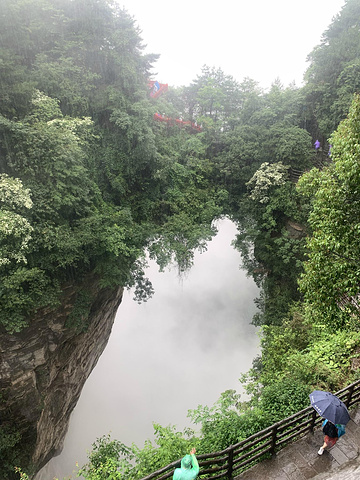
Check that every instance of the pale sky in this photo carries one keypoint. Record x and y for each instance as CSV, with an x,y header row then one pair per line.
x,y
260,39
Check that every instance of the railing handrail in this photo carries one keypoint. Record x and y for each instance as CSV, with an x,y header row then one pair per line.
x,y
266,441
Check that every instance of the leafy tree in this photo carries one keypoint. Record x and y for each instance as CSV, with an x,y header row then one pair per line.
x,y
215,96
224,423
15,230
251,102
112,459
108,459
170,445
265,179
330,281
279,105
268,132
332,62
283,398
48,152
271,240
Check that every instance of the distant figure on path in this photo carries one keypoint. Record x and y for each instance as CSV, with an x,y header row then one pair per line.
x,y
189,468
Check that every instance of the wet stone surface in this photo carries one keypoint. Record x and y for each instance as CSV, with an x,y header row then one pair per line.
x,y
300,461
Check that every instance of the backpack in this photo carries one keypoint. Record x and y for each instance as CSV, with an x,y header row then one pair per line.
x,y
340,429
330,430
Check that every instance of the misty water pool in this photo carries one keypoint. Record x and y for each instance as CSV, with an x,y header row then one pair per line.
x,y
181,349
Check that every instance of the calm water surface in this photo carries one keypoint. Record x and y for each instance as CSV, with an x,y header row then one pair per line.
x,y
181,349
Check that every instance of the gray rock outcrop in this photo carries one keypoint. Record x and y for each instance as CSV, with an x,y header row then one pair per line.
x,y
44,367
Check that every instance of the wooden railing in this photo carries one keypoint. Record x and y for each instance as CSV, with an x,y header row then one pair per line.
x,y
318,162
239,457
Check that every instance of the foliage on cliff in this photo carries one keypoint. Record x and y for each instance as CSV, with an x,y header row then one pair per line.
x,y
76,129
333,73
89,181
331,278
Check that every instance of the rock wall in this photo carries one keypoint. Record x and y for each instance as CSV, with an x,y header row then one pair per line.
x,y
44,367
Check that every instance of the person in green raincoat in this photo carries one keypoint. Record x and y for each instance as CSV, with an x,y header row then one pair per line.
x,y
189,468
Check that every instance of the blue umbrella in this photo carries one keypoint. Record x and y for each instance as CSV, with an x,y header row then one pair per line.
x,y
329,406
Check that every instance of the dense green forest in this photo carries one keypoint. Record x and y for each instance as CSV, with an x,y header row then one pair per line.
x,y
89,182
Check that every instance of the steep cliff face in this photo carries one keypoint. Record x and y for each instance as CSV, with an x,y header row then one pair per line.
x,y
44,367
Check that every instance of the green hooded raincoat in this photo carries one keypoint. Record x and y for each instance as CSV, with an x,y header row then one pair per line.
x,y
189,469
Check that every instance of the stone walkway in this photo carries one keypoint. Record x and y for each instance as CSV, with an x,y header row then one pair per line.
x,y
300,460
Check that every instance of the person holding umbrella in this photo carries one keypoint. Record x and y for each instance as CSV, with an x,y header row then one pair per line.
x,y
332,434
336,416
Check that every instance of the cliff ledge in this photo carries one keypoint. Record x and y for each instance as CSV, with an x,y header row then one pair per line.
x,y
44,367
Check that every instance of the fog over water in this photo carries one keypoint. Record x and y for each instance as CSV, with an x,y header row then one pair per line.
x,y
182,348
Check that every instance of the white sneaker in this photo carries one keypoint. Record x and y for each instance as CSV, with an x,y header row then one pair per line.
x,y
321,451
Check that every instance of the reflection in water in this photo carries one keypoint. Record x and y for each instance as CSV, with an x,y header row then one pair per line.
x,y
182,348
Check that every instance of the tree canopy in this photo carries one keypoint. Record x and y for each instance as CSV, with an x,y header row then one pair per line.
x,y
76,129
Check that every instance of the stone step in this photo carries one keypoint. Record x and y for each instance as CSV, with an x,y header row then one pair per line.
x,y
351,471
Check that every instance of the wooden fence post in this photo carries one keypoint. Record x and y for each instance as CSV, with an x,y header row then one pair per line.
x,y
274,438
230,463
313,419
349,396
